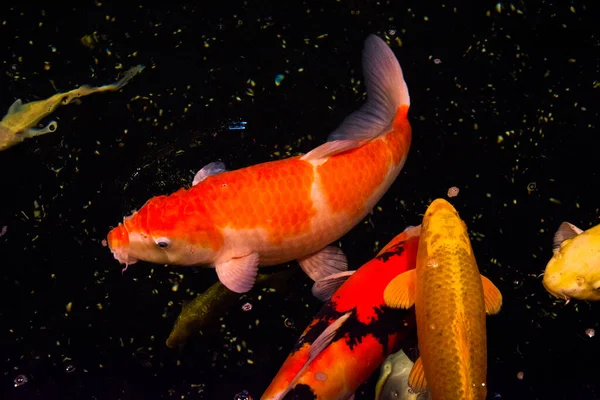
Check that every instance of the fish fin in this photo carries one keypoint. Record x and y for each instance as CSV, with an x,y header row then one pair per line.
x,y
401,291
492,295
128,75
386,370
413,231
15,107
416,378
565,231
386,91
319,344
329,149
325,338
238,274
213,168
32,132
325,262
324,288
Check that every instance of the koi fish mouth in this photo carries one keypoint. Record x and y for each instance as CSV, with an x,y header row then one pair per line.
x,y
556,293
118,242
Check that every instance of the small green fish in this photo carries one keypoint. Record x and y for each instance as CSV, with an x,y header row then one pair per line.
x,y
204,308
21,120
393,380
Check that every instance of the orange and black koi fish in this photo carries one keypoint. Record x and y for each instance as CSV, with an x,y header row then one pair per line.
x,y
353,333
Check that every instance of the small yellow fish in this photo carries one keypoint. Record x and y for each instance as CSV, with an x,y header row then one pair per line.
x,y
204,308
21,120
574,270
451,299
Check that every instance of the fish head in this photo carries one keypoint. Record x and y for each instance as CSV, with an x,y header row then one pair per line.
x,y
443,215
159,236
571,278
393,381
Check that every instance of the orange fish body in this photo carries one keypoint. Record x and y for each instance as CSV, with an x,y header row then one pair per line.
x,y
330,364
283,210
451,299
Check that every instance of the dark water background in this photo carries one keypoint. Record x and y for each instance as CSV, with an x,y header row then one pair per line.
x,y
476,71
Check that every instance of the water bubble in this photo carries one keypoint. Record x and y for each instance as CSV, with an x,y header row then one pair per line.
x,y
243,395
69,368
591,332
20,380
288,322
247,307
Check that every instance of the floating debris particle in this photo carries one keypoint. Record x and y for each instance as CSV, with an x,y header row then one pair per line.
x,y
237,126
69,306
591,332
278,79
531,187
3,230
243,395
453,191
520,375
247,307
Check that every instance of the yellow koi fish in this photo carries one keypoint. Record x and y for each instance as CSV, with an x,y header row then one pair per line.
x,y
451,299
574,270
21,119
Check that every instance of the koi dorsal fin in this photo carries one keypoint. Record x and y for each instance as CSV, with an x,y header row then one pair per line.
x,y
213,168
386,91
15,107
324,288
319,344
565,231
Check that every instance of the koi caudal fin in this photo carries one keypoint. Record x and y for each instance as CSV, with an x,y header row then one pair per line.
x,y
386,91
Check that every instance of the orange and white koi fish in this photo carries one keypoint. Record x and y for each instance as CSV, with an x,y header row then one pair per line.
x,y
291,209
451,299
20,121
353,333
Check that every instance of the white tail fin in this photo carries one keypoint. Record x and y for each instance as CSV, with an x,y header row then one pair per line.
x,y
386,91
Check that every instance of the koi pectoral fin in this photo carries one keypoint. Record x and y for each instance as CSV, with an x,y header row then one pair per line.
x,y
32,132
324,288
238,274
492,296
401,292
416,378
323,263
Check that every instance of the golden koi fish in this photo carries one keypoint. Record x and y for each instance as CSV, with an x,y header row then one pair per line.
x,y
279,211
451,299
574,270
21,119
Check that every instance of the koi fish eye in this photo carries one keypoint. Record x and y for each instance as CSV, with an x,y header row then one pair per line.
x,y
162,242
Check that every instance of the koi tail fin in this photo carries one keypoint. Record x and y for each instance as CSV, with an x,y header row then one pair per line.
x,y
386,91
